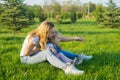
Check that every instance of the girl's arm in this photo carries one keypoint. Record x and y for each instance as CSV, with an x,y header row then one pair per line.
x,y
51,47
65,38
53,50
30,49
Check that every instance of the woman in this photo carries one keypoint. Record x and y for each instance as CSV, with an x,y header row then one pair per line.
x,y
34,49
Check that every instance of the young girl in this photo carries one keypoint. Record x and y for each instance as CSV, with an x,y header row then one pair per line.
x,y
56,49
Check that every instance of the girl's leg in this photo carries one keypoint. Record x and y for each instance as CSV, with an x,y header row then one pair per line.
x,y
78,59
58,63
69,54
64,58
52,59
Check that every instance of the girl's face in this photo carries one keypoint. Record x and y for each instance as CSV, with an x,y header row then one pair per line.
x,y
51,33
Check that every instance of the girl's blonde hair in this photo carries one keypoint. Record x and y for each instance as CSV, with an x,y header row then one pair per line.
x,y
42,31
55,39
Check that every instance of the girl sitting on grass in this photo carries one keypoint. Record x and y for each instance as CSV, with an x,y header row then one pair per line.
x,y
57,51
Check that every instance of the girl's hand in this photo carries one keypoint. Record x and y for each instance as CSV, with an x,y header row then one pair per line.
x,y
79,38
53,50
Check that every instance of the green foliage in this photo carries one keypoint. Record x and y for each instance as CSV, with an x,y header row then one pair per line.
x,y
56,8
58,19
11,16
99,13
73,17
79,15
102,43
65,15
30,14
41,15
92,7
110,17
1,8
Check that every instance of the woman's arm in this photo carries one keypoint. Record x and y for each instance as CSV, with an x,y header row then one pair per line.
x,y
30,49
65,38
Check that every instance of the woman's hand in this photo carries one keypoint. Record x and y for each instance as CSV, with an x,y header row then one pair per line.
x,y
30,48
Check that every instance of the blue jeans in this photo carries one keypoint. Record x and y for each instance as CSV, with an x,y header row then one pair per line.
x,y
69,54
66,53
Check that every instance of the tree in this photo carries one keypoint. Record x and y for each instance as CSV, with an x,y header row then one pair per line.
x,y
75,14
47,8
99,13
41,14
35,9
30,14
56,8
111,16
73,17
92,7
1,9
65,11
12,15
88,8
58,19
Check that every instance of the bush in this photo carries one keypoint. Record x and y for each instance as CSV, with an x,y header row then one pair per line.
x,y
73,17
42,17
80,15
58,19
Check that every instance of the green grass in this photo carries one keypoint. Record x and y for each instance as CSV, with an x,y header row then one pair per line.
x,y
103,43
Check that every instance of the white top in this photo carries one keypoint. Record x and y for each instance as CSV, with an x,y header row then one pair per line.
x,y
35,41
50,45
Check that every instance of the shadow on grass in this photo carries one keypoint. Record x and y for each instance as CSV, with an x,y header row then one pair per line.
x,y
4,32
101,61
8,38
41,71
90,23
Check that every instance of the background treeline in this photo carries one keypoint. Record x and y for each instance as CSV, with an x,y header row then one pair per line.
x,y
16,15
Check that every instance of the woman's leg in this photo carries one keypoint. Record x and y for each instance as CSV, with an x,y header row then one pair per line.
x,y
52,59
43,56
69,54
36,58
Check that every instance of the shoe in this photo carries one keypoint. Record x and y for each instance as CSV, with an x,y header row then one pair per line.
x,y
79,60
72,70
83,56
74,61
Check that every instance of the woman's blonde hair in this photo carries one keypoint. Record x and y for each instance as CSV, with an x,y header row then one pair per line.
x,y
42,31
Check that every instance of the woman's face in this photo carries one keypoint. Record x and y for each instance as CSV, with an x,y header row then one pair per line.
x,y
51,33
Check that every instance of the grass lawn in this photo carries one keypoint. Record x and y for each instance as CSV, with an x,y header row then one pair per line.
x,y
103,43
